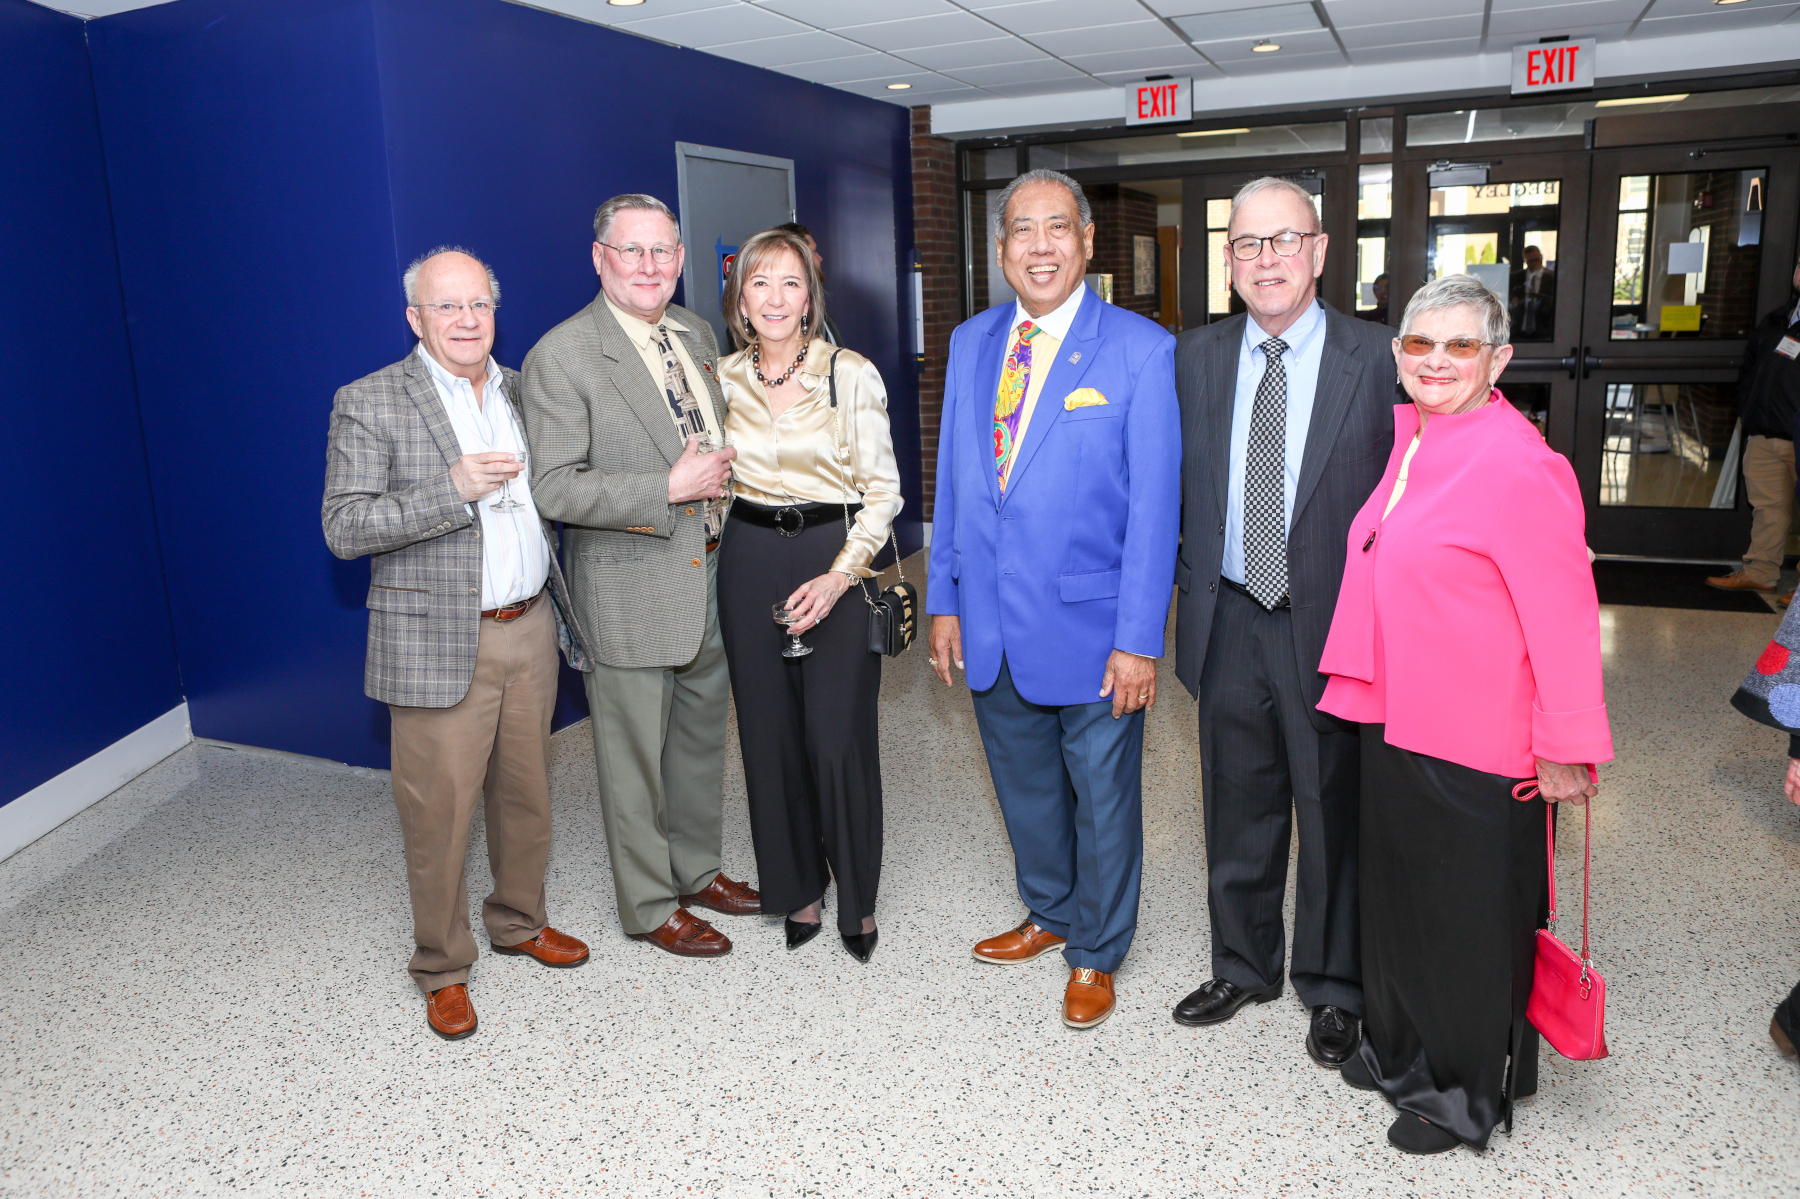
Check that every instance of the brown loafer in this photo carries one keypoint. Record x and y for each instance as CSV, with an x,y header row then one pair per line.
x,y
1088,998
1020,945
685,935
550,947
449,1012
726,898
1737,580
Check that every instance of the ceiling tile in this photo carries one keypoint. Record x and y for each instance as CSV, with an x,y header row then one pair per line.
x,y
1249,23
835,14
1526,23
602,13
1022,72
811,46
1688,8
1316,42
914,32
1134,35
1185,8
860,66
1436,29
920,80
1049,16
1046,88
715,26
1741,16
987,52
1344,13
1268,64
1414,51
1135,62
1198,69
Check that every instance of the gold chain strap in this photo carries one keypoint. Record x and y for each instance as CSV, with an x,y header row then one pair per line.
x,y
843,454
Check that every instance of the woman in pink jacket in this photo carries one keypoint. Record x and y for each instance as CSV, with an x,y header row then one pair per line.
x,y
1466,642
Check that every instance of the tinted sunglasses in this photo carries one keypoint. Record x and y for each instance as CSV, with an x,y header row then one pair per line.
x,y
1457,347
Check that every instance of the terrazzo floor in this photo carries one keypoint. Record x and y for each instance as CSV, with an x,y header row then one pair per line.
x,y
204,993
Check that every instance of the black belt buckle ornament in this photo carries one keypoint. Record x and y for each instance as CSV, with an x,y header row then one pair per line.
x,y
790,522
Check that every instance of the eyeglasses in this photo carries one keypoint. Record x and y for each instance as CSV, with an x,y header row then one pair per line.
x,y
633,255
479,308
1457,347
1286,244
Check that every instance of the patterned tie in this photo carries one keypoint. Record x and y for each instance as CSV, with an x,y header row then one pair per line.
x,y
687,415
1265,468
1009,402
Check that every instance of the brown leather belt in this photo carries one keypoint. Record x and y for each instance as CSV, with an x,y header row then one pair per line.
x,y
512,611
712,545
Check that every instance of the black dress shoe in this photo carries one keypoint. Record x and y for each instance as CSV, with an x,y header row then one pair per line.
x,y
799,932
1334,1036
1413,1134
1219,1000
861,945
1356,1073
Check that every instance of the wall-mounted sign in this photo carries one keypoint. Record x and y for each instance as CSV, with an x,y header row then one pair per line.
x,y
1553,66
1158,100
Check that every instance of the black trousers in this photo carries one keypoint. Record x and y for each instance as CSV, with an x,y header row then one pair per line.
x,y
806,726
1263,764
1453,892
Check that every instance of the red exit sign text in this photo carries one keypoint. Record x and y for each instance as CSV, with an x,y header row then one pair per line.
x,y
1157,100
1553,66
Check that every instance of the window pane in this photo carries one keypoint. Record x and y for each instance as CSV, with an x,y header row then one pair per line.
x,y
1375,135
1685,264
987,286
1496,124
1218,214
1374,210
1531,399
1634,193
1322,137
1218,275
1505,234
1666,445
1001,163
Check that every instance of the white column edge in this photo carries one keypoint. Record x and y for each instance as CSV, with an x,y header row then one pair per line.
x,y
86,783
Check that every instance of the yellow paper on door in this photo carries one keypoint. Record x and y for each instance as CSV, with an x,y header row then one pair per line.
x,y
1681,318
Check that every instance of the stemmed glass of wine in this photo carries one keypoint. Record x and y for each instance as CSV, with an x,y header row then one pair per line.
x,y
795,648
506,503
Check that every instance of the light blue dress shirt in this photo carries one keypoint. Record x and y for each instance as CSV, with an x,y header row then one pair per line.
x,y
1306,345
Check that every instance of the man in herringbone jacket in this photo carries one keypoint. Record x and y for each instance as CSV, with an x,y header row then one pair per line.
x,y
619,400
466,608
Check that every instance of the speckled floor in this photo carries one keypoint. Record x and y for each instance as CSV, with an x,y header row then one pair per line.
x,y
204,993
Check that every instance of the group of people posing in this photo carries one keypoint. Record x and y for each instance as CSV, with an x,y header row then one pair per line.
x,y
1384,609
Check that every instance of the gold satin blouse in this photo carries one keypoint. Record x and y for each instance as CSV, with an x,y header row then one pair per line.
x,y
796,457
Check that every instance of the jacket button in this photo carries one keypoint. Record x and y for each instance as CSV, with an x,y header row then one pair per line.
x,y
1212,586
1221,528
696,561
474,591
690,511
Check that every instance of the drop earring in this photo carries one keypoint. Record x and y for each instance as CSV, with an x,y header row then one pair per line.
x,y
806,321
749,329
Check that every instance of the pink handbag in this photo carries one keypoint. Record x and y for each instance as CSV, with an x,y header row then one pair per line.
x,y
1568,995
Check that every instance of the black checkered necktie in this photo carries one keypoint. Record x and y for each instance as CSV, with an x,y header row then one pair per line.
x,y
1265,470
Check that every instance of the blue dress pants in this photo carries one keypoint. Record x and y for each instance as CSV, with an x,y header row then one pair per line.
x,y
1070,784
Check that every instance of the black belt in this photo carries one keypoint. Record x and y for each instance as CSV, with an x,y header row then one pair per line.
x,y
791,520
1245,591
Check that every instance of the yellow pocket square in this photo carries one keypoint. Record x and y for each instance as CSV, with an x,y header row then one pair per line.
x,y
1085,397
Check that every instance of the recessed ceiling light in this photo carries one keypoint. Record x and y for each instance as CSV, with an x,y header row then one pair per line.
x,y
898,87
624,3
1213,132
1265,47
1624,100
1728,1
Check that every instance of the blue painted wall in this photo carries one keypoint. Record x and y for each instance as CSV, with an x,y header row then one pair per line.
x,y
87,655
274,166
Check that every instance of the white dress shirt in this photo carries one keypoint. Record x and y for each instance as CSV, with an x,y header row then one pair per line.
x,y
1306,346
515,555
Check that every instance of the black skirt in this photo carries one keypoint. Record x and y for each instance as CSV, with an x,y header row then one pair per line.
x,y
1453,892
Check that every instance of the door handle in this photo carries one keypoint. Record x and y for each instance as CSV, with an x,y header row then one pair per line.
x,y
1572,361
1589,363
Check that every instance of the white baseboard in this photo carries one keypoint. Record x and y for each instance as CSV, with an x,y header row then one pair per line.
x,y
86,783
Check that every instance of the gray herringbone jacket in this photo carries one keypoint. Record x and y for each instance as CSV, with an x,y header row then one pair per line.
x,y
602,444
388,494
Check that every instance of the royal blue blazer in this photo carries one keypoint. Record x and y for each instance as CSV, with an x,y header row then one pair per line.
x,y
1078,558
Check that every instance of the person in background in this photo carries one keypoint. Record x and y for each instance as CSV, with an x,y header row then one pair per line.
x,y
827,324
424,474
816,491
619,400
1768,406
1287,416
1534,297
1770,694
1058,508
1379,313
1466,643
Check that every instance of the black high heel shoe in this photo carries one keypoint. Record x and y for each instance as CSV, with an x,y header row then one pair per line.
x,y
799,932
861,945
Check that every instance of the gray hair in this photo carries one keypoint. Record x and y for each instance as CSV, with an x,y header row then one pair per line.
x,y
997,217
1274,183
1457,291
409,281
607,212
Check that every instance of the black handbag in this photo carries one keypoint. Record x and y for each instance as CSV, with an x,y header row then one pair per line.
x,y
894,614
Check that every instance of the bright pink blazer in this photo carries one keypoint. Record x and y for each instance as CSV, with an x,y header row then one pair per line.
x,y
1467,622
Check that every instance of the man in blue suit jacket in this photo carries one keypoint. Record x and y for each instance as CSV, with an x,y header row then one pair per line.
x,y
1052,564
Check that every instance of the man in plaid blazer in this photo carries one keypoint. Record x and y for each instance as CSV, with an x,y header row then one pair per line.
x,y
619,400
466,608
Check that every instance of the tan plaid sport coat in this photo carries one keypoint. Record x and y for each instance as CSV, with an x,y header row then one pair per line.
x,y
602,443
388,494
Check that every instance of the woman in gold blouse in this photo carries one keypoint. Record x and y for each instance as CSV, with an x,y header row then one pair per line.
x,y
815,492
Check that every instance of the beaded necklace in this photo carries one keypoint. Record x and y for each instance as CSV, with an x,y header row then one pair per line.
x,y
756,365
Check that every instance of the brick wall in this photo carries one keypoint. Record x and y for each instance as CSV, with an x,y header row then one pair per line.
x,y
934,238
1120,213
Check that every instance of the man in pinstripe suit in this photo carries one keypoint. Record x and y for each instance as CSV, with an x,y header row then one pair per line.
x,y
466,607
1287,420
618,399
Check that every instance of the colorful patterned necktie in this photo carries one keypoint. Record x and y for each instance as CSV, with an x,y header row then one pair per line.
x,y
1015,379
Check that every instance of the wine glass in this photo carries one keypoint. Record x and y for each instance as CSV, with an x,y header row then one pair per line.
x,y
506,503
795,648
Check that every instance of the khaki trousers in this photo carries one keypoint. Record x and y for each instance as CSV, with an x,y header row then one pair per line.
x,y
1769,486
495,743
659,746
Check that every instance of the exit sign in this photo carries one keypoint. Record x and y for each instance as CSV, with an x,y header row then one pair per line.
x,y
1158,100
1553,66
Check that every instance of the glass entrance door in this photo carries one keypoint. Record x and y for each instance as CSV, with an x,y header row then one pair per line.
x,y
1687,252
